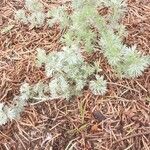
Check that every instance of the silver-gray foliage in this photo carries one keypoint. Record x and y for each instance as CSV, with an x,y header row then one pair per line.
x,y
33,15
69,72
13,112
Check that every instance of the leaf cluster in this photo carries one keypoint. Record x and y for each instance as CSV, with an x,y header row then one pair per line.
x,y
69,72
13,112
86,27
33,14
126,61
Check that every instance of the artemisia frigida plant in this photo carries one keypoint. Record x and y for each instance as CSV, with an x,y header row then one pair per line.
x,y
85,28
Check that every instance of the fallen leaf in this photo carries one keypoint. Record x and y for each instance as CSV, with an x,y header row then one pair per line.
x,y
98,116
95,128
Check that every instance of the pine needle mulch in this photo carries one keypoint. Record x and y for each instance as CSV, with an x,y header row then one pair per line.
x,y
119,120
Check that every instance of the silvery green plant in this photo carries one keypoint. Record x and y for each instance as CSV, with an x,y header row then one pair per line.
x,y
70,73
67,70
33,14
58,15
78,23
9,113
86,27
127,61
83,18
